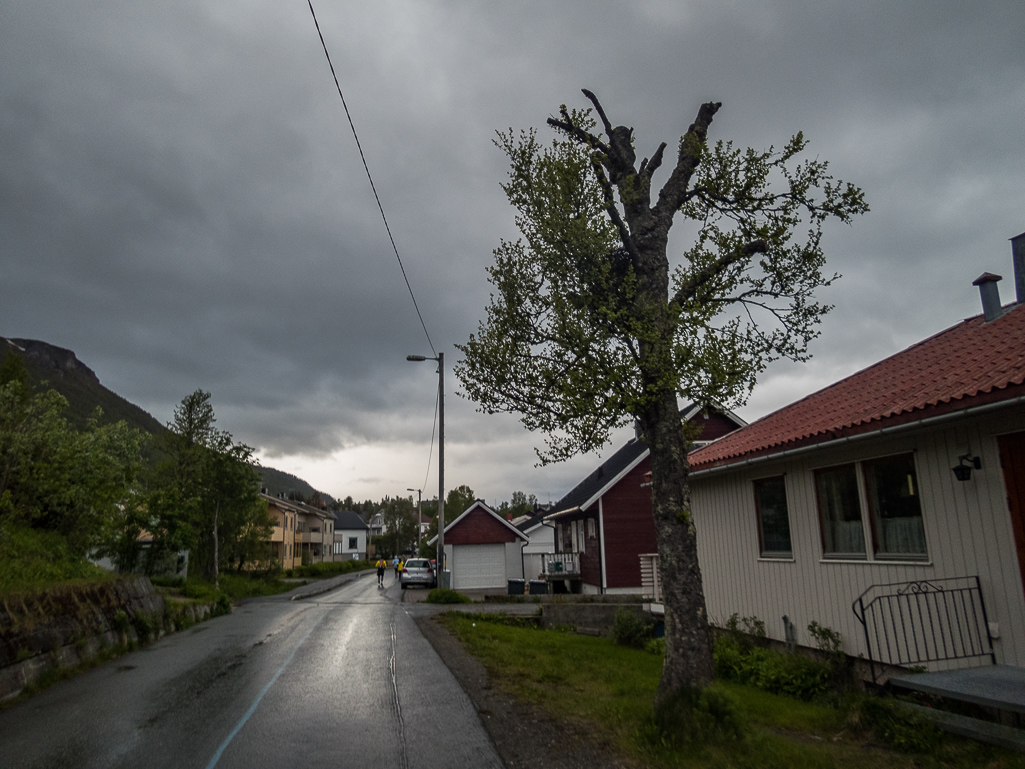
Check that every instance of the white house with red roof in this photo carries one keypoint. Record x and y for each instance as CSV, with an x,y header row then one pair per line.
x,y
889,507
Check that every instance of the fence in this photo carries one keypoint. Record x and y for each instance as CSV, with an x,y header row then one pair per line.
x,y
936,620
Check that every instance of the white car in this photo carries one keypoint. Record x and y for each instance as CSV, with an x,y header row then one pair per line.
x,y
417,571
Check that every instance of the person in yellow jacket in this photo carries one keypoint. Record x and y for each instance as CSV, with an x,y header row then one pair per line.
x,y
381,566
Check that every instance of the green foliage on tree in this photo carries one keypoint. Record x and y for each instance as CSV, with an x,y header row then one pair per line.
x,y
400,525
204,497
58,484
520,504
457,501
591,326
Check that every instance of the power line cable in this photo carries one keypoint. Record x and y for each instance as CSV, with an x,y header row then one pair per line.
x,y
371,178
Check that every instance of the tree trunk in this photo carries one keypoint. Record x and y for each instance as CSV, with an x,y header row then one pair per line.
x,y
688,658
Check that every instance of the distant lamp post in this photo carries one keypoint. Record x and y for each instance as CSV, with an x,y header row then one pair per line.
x,y
441,460
419,520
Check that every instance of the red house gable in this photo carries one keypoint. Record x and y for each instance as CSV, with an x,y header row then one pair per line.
x,y
479,526
629,527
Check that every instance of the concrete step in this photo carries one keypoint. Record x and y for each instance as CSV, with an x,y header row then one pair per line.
x,y
973,728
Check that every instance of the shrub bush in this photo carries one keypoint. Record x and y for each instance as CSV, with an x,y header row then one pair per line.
x,y
630,629
898,727
445,595
656,646
690,718
768,669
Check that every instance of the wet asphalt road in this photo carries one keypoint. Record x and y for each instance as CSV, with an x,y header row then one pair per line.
x,y
343,679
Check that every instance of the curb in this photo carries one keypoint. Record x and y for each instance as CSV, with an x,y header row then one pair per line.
x,y
328,585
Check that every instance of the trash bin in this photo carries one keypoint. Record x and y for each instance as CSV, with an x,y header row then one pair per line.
x,y
516,586
538,587
446,579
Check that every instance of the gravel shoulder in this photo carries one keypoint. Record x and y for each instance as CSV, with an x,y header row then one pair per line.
x,y
524,736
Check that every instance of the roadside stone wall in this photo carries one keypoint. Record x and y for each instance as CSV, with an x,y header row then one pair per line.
x,y
588,618
70,625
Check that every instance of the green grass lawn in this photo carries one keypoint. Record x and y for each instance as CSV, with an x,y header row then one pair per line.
x,y
610,689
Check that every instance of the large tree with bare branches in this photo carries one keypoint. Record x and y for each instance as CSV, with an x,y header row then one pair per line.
x,y
591,325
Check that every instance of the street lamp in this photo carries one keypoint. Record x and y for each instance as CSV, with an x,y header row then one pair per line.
x,y
441,460
419,521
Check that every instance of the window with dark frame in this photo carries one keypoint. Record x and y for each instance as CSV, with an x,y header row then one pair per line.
x,y
773,517
894,506
353,543
843,534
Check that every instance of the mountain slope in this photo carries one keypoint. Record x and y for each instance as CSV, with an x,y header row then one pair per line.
x,y
52,367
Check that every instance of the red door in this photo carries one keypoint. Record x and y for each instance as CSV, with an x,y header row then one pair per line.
x,y
1012,461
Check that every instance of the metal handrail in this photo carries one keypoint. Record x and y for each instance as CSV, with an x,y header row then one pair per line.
x,y
929,620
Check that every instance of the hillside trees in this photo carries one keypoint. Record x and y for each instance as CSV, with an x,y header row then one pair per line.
x,y
62,490
205,494
591,327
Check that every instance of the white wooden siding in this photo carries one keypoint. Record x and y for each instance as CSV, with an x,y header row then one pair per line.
x,y
967,528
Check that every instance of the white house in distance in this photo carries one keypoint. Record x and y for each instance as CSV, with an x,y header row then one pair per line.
x,y
351,536
889,506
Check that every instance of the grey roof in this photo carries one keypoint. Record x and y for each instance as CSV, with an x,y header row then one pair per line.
x,y
347,519
531,521
601,477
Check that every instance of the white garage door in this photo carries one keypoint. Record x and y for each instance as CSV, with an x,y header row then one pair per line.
x,y
478,566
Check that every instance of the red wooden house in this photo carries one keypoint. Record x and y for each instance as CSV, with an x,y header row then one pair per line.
x,y
604,524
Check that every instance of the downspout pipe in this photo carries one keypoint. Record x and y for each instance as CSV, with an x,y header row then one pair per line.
x,y
920,423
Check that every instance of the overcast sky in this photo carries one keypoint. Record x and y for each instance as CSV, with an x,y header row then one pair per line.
x,y
183,205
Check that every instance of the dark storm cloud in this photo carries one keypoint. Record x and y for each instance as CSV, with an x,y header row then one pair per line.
x,y
182,203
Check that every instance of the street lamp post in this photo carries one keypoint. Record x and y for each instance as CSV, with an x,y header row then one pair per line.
x,y
441,460
419,520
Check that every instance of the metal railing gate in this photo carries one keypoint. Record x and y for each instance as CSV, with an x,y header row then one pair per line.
x,y
935,620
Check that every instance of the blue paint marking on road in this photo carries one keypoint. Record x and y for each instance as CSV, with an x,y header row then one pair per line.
x,y
252,708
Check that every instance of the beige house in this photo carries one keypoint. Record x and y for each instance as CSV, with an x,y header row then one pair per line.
x,y
286,540
889,506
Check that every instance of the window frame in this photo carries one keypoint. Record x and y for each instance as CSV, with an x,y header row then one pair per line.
x,y
875,519
776,555
838,554
867,514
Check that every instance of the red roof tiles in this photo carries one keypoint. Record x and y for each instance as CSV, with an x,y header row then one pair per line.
x,y
971,363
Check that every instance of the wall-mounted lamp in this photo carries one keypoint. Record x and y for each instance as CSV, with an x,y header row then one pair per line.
x,y
963,469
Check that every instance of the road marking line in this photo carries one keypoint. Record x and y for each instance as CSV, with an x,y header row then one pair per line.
x,y
252,708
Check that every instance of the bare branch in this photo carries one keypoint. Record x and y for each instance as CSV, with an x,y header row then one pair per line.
x,y
566,125
649,168
674,191
598,108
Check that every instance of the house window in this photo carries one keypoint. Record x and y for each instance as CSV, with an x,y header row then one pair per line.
x,y
891,490
892,499
840,511
353,543
591,528
773,519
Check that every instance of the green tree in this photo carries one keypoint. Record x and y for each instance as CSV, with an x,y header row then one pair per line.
x,y
591,326
521,504
400,525
205,496
456,502
55,478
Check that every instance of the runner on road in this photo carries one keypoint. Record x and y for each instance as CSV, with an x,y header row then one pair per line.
x,y
381,564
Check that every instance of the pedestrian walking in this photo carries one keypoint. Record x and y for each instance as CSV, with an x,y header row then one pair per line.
x,y
395,565
381,565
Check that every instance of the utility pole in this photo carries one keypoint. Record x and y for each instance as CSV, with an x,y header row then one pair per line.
x,y
441,461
